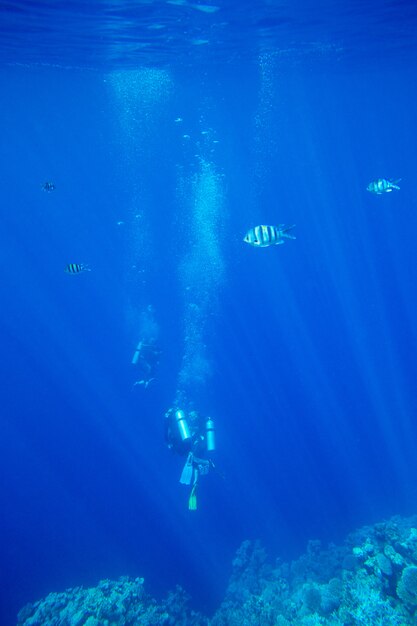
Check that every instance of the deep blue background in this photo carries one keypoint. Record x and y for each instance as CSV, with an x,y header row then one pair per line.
x,y
312,344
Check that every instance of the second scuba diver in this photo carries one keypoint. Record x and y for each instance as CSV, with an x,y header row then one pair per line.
x,y
190,435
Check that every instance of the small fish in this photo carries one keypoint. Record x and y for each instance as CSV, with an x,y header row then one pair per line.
x,y
76,268
264,236
383,185
48,186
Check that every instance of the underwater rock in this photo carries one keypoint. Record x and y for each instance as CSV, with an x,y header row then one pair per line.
x,y
384,564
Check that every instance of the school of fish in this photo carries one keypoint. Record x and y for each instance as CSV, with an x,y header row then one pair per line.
x,y
261,236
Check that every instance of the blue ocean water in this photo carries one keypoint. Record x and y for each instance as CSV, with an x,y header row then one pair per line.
x,y
169,129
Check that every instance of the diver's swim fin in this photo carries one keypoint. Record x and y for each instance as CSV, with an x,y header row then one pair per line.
x,y
187,472
192,501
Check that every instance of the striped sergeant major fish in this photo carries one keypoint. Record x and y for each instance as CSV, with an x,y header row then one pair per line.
x,y
383,185
264,236
48,186
76,268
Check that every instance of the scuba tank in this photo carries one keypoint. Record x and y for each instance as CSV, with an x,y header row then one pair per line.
x,y
182,425
210,436
136,354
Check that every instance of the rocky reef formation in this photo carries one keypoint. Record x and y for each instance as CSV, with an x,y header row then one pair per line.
x,y
370,580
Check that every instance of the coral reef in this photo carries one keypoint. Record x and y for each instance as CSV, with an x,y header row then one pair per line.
x,y
370,580
122,603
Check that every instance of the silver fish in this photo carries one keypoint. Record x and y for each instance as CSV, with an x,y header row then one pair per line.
x,y
263,236
383,185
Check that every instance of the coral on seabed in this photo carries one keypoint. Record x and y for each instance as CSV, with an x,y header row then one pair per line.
x,y
111,603
369,581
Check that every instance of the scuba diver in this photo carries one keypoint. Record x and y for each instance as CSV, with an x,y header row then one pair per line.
x,y
190,435
145,359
